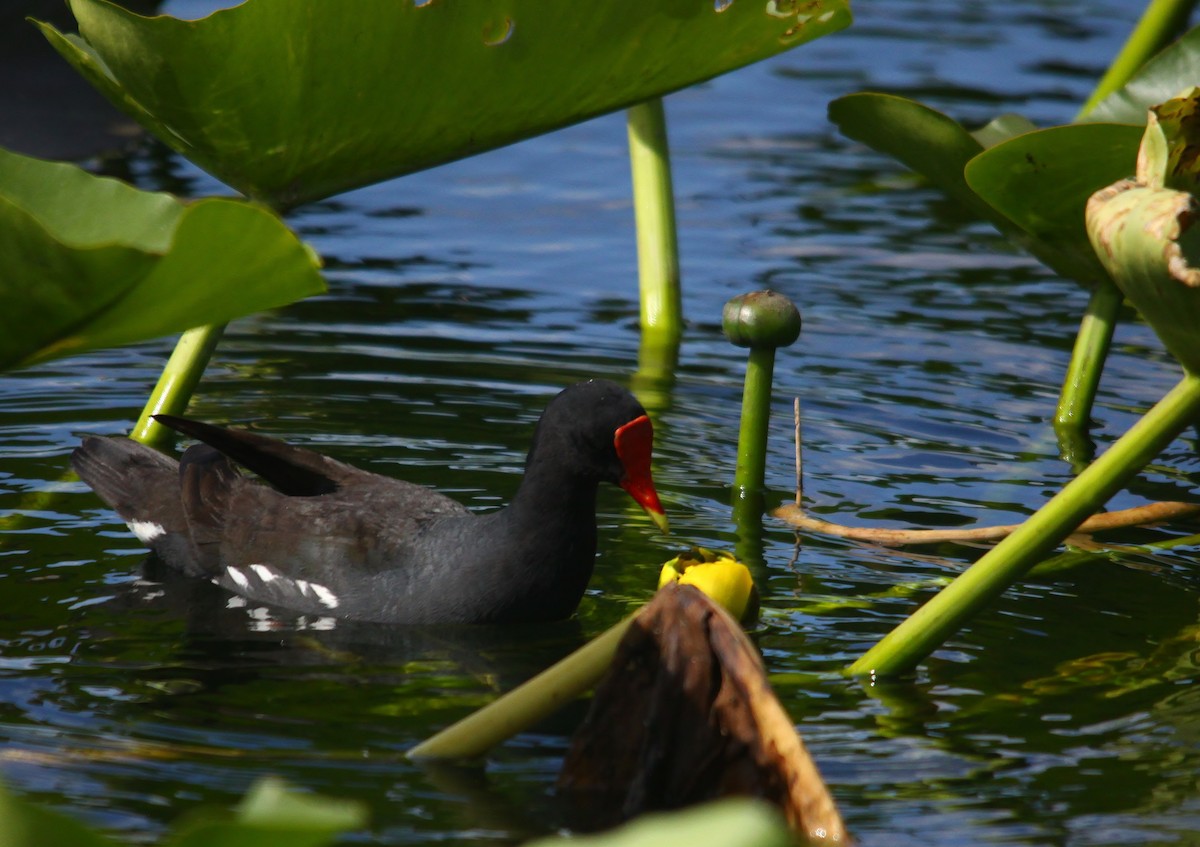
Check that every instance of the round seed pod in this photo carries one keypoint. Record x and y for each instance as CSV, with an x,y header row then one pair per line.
x,y
761,319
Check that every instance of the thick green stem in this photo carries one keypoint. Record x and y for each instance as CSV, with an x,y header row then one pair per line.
x,y
177,382
722,580
655,373
748,494
756,416
927,628
527,704
1087,360
1162,21
654,211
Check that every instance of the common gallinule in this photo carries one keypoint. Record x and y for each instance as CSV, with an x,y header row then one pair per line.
x,y
332,539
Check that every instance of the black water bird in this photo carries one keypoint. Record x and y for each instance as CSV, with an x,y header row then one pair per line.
x,y
327,538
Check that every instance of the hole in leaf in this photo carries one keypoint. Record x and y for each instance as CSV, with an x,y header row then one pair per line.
x,y
495,34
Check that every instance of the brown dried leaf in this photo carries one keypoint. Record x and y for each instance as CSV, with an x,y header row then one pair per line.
x,y
686,714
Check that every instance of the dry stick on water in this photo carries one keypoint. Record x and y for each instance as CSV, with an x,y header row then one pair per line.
x,y
1137,516
795,515
799,455
799,480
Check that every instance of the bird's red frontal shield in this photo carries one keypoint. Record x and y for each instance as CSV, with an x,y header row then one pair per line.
x,y
634,442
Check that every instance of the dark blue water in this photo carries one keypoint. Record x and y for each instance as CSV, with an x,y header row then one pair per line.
x,y
462,298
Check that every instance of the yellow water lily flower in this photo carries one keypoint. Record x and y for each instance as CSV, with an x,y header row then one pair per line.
x,y
719,575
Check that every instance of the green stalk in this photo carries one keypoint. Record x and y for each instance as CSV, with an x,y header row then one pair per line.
x,y
526,704
651,383
927,628
177,382
654,213
756,417
721,579
1075,558
749,498
1087,362
762,321
1161,21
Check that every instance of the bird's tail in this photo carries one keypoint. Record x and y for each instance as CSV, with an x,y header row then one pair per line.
x,y
142,486
127,475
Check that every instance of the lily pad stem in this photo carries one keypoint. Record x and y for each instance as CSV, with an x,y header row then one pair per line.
x,y
756,415
527,704
1087,362
654,213
762,321
931,625
724,580
177,383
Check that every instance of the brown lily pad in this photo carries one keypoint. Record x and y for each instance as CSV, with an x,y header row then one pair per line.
x,y
684,715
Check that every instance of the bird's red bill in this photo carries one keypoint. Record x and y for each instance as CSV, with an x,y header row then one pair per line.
x,y
634,442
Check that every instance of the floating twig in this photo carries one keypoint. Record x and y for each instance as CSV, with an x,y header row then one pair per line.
x,y
794,514
799,453
1160,512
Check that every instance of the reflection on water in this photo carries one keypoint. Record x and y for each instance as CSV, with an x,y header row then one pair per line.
x,y
462,298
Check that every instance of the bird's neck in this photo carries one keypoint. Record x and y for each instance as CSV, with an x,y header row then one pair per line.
x,y
544,542
553,498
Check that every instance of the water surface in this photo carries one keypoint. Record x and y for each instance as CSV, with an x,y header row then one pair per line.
x,y
462,298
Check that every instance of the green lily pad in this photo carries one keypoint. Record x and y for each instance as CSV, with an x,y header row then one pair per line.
x,y
91,262
1002,128
291,102
271,815
1030,184
927,141
731,822
22,824
1041,181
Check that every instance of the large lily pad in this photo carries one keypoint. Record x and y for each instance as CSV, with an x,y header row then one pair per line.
x,y
927,141
23,824
290,102
92,262
1041,181
270,815
732,822
1031,184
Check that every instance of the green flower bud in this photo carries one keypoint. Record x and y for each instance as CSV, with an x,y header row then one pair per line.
x,y
761,319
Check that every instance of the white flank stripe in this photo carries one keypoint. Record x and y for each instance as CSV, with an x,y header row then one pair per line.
x,y
327,597
146,531
238,577
264,573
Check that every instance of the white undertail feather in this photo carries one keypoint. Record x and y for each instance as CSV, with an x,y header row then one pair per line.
x,y
146,531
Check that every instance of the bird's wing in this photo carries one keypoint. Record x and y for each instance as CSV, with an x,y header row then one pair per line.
x,y
326,554
291,470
